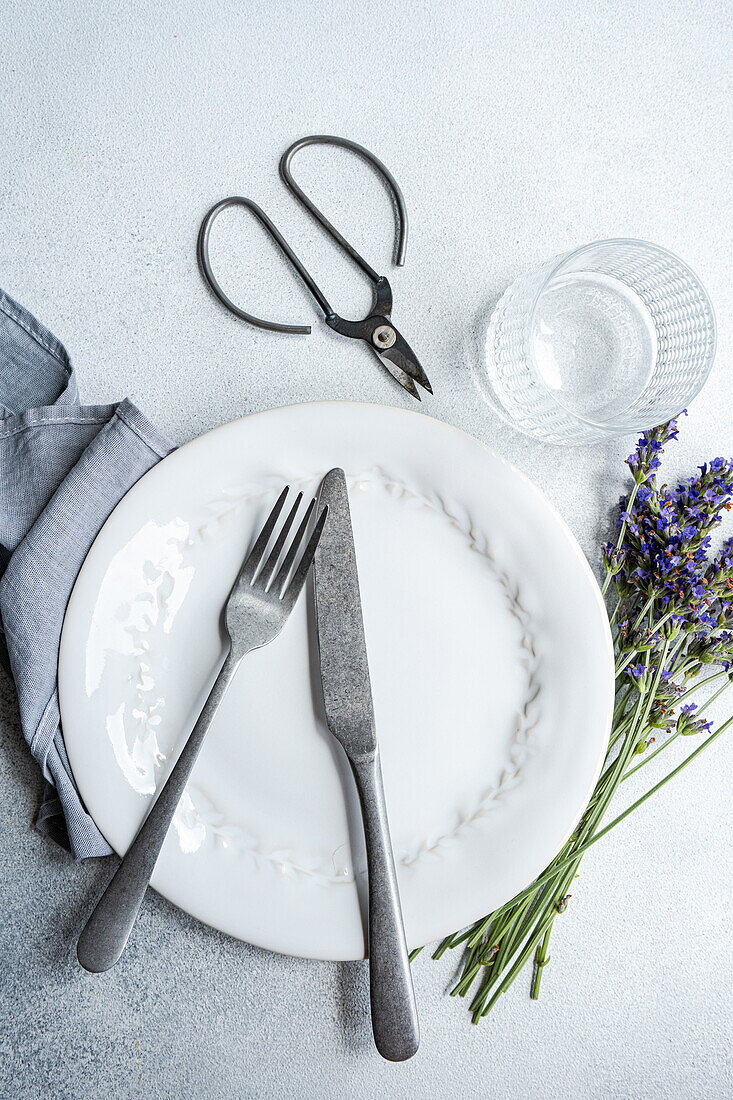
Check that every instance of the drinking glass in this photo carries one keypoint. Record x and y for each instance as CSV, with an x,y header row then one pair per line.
x,y
612,338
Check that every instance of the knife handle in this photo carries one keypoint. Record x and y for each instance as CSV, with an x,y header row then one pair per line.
x,y
394,1013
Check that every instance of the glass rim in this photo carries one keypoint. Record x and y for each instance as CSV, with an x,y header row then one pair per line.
x,y
606,425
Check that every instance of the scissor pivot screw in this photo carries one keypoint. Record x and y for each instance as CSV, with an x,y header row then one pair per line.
x,y
384,336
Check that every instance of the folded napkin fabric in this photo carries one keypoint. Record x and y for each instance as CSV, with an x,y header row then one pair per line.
x,y
63,468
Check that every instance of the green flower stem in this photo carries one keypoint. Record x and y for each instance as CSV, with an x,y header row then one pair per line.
x,y
544,914
634,653
481,930
555,896
622,698
620,728
501,944
548,875
653,628
650,756
622,532
616,771
541,960
516,967
697,687
631,723
620,725
658,786
644,610
676,734
504,936
497,947
454,940
563,873
520,924
626,662
652,693
613,776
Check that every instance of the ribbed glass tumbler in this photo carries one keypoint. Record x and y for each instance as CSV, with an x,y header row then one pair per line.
x,y
612,338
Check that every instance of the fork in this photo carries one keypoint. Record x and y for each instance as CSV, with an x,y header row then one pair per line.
x,y
256,611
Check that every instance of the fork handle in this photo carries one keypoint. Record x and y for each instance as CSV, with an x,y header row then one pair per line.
x,y
394,1013
106,932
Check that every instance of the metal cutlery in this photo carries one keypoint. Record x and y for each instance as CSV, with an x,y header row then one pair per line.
x,y
350,718
258,606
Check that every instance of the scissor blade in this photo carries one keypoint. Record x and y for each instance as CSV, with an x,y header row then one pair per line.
x,y
403,357
399,375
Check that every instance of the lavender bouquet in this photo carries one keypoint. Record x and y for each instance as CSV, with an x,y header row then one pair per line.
x,y
672,621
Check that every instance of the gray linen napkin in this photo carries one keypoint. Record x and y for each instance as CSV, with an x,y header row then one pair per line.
x,y
63,468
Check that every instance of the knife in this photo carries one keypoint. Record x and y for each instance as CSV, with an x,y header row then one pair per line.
x,y
347,696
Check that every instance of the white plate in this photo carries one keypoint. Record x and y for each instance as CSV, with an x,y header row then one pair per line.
x,y
491,663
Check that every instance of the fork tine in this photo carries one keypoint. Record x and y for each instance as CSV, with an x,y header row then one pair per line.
x,y
293,590
284,570
268,569
254,557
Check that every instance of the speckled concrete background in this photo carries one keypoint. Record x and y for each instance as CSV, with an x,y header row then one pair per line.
x,y
516,132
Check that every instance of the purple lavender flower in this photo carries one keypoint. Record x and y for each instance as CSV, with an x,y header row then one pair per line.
x,y
688,725
638,675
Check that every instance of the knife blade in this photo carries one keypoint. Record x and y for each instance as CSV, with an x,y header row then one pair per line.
x,y
347,697
347,692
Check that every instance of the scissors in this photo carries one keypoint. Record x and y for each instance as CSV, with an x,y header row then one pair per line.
x,y
376,329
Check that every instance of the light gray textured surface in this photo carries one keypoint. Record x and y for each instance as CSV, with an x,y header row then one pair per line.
x,y
516,132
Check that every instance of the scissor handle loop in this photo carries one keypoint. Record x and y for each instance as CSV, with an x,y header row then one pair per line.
x,y
384,172
382,290
202,250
